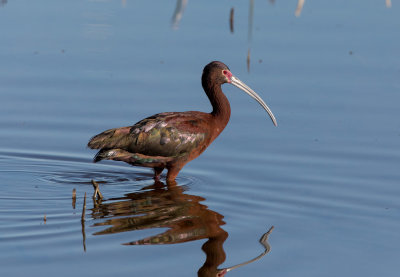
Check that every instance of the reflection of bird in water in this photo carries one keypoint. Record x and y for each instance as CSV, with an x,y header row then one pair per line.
x,y
3,2
159,206
170,140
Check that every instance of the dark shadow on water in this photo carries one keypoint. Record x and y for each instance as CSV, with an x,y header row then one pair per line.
x,y
171,207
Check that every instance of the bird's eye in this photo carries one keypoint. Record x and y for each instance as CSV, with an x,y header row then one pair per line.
x,y
227,74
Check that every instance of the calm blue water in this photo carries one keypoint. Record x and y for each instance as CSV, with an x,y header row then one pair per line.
x,y
327,177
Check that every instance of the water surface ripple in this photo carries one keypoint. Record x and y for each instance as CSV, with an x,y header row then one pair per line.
x,y
327,178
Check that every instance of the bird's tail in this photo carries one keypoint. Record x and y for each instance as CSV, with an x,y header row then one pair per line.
x,y
113,138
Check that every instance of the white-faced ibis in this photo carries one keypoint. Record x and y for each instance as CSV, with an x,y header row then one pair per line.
x,y
170,140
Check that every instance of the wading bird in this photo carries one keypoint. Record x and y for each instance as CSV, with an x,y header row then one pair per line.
x,y
170,140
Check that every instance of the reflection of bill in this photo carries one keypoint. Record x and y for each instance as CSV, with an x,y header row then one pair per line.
x,y
3,2
185,218
263,241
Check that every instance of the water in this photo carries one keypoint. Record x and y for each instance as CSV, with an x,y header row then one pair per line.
x,y
326,178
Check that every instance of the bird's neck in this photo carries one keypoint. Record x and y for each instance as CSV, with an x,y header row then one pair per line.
x,y
221,107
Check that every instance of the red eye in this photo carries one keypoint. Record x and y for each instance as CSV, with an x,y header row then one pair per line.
x,y
227,74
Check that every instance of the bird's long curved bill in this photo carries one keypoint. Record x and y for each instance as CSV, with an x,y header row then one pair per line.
x,y
237,83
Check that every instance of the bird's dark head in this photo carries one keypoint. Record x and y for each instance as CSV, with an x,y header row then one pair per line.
x,y
216,73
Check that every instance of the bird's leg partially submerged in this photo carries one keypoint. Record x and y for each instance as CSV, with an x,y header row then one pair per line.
x,y
157,173
173,171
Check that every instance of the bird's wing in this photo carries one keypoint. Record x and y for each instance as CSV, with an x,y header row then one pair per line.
x,y
169,134
165,134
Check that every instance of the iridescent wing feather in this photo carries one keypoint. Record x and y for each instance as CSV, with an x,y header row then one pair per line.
x,y
164,134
